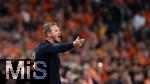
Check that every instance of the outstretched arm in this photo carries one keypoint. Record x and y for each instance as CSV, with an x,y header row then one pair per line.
x,y
63,47
57,48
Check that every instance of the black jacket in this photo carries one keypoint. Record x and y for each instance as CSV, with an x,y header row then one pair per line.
x,y
46,50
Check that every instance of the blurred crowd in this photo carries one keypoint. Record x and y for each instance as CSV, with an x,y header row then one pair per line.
x,y
117,33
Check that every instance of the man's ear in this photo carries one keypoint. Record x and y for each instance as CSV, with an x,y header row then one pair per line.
x,y
49,34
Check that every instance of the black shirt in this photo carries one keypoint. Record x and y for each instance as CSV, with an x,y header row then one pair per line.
x,y
46,50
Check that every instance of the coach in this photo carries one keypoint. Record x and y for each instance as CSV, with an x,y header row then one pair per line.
x,y
50,48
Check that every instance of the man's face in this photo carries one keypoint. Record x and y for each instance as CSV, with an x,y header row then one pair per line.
x,y
55,33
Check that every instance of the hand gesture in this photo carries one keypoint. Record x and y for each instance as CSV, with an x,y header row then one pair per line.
x,y
78,42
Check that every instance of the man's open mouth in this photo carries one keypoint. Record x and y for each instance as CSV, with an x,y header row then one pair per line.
x,y
59,36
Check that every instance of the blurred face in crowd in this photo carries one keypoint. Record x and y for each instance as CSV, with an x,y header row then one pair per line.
x,y
54,33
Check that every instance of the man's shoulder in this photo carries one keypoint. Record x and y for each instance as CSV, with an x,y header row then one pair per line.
x,y
43,44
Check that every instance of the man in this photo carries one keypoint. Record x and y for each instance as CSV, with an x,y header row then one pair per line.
x,y
49,49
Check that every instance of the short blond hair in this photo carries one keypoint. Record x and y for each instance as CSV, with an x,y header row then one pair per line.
x,y
47,27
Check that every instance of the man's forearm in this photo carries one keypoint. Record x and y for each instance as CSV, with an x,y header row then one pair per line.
x,y
59,48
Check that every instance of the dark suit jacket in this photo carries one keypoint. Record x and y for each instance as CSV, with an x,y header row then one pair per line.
x,y
46,50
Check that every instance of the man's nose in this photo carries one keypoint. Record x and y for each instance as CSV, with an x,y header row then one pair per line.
x,y
59,32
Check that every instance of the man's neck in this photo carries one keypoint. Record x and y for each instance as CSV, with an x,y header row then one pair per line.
x,y
50,40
